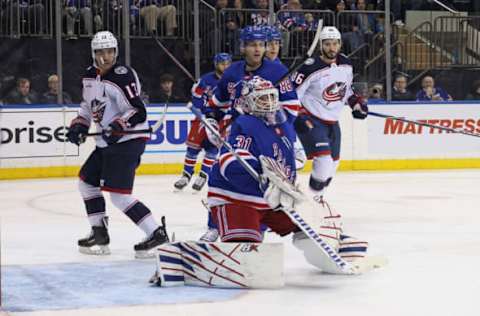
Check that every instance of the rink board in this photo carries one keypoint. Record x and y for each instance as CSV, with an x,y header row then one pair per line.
x,y
33,140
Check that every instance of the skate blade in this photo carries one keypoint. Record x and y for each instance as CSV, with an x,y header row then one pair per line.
x,y
144,254
95,250
369,263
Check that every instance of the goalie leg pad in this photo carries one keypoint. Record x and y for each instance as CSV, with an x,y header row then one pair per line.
x,y
170,266
352,249
224,265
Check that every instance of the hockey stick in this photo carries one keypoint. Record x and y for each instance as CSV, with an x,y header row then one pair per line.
x,y
309,54
342,266
152,129
175,60
443,128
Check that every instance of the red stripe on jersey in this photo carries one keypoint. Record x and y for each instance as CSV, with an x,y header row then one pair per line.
x,y
241,202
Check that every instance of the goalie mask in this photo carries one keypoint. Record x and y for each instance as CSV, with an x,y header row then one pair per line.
x,y
261,100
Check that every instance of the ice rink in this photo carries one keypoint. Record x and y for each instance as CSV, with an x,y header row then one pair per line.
x,y
426,223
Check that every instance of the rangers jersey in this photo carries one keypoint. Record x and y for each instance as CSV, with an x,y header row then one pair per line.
x,y
324,89
250,137
113,95
202,91
228,91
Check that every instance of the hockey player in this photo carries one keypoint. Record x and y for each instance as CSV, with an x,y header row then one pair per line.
x,y
324,86
111,99
239,204
199,138
274,41
227,95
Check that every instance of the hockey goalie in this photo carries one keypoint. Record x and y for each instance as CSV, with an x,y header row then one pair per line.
x,y
241,204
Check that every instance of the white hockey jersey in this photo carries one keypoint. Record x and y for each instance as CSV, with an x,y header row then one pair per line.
x,y
324,89
113,95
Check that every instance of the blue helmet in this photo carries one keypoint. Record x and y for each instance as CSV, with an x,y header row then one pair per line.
x,y
222,57
273,34
253,33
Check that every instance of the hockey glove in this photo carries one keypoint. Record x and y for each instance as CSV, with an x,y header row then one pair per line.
x,y
77,132
303,124
359,107
212,137
114,131
280,194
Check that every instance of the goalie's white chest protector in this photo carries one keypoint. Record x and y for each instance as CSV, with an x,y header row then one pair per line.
x,y
324,89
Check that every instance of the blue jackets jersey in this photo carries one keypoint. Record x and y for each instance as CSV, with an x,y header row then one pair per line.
x,y
229,182
228,89
202,91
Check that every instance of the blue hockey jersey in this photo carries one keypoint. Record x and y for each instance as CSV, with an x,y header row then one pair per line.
x,y
202,91
251,137
228,91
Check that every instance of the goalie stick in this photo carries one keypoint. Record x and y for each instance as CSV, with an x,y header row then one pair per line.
x,y
443,128
342,266
152,129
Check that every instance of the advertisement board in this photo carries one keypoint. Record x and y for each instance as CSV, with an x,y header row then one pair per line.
x,y
33,133
388,137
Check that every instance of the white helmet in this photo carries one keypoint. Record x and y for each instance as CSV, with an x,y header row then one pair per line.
x,y
260,97
330,32
101,40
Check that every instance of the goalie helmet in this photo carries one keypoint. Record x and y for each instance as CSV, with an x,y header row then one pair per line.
x,y
260,98
101,40
330,32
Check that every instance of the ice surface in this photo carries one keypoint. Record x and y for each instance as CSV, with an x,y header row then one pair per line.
x,y
426,223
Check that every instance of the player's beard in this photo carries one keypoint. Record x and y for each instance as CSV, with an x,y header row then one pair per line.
x,y
331,55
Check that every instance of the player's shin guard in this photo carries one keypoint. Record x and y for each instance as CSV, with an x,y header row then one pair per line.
x,y
94,203
323,169
190,160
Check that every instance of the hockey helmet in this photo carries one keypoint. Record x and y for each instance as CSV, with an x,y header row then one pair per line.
x,y
260,97
221,58
273,34
330,32
101,40
253,33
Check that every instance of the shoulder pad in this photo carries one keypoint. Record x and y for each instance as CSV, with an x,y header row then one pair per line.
x,y
311,65
90,72
121,75
248,124
120,70
343,59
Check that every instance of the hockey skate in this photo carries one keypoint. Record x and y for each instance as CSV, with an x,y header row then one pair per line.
x,y
183,181
211,235
200,181
158,237
96,243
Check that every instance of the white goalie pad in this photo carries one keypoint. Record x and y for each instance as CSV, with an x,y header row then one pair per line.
x,y
224,265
